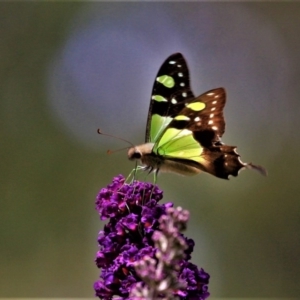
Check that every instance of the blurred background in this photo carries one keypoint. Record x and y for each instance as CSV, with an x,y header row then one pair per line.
x,y
69,68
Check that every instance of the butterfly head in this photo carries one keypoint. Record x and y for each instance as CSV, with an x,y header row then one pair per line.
x,y
134,153
140,151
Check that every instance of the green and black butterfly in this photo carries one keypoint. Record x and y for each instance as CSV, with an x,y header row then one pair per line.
x,y
183,133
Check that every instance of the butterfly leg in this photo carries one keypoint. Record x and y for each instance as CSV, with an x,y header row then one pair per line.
x,y
155,176
133,173
155,173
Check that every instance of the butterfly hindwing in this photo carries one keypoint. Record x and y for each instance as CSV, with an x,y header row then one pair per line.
x,y
193,137
170,91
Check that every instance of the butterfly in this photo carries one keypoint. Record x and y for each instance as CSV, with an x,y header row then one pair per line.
x,y
183,133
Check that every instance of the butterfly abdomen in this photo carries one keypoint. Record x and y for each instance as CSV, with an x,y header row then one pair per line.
x,y
177,166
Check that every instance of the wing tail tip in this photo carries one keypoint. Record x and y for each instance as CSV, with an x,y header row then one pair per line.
x,y
257,168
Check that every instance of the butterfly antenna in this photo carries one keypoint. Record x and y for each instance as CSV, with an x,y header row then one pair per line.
x,y
113,151
115,137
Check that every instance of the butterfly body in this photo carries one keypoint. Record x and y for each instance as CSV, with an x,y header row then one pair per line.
x,y
183,133
154,162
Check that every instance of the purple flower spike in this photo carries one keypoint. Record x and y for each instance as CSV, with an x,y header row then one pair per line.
x,y
142,253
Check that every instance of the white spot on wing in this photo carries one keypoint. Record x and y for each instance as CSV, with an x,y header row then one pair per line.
x,y
197,119
210,122
180,74
217,96
182,84
211,115
210,94
215,128
173,101
213,109
214,102
184,94
172,62
179,66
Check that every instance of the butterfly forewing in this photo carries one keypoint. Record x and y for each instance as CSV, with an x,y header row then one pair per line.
x,y
170,92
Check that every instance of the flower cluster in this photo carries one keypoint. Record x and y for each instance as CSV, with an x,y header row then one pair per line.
x,y
142,253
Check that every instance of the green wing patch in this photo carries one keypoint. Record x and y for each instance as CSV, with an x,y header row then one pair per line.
x,y
158,124
166,80
178,143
